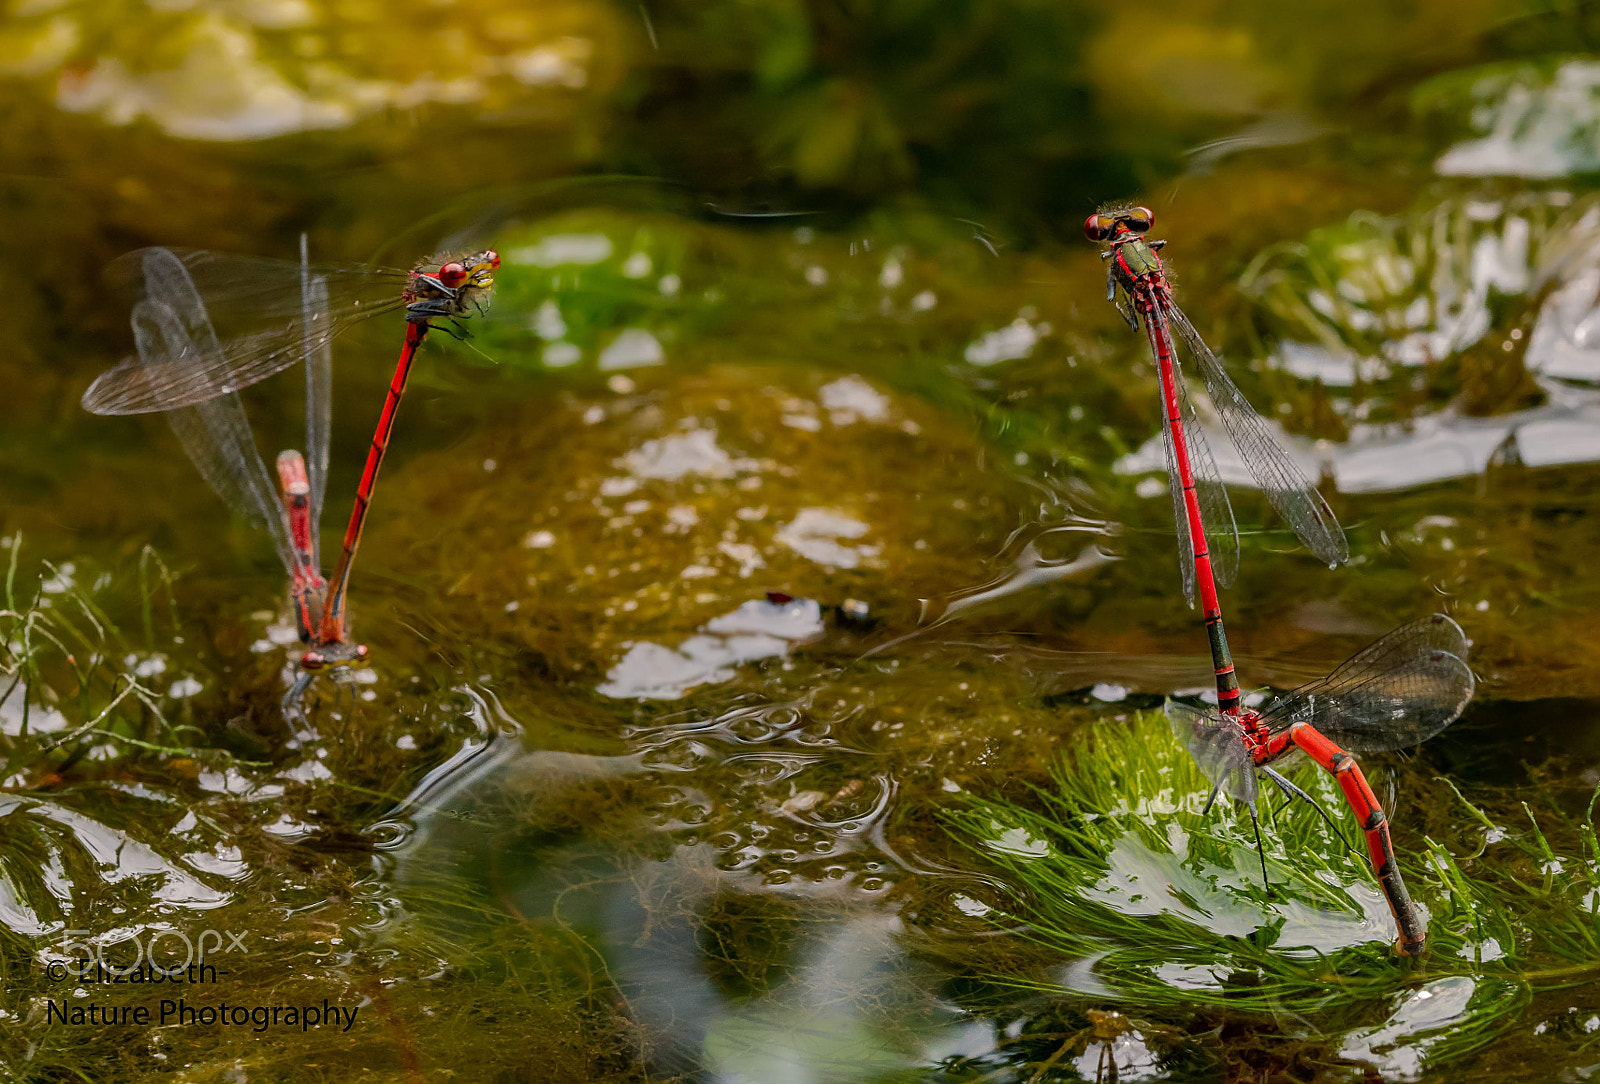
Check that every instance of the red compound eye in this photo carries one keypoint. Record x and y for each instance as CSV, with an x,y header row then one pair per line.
x,y
1098,227
311,660
492,258
452,275
1139,219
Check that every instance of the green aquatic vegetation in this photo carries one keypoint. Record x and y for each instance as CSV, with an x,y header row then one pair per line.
x,y
1457,287
918,302
1144,906
742,479
904,288
1533,118
71,680
125,821
423,994
578,287
863,103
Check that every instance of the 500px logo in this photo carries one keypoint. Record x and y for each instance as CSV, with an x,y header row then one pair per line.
x,y
155,957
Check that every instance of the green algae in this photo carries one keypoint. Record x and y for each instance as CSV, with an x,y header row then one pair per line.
x,y
1158,911
161,845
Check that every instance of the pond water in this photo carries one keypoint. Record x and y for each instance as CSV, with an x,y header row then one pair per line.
x,y
771,602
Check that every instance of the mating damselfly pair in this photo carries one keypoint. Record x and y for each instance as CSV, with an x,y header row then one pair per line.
x,y
1397,692
280,314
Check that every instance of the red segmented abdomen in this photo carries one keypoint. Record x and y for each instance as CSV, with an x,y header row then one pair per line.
x,y
1369,815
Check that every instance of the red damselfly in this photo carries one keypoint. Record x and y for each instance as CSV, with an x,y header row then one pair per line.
x,y
1208,538
1397,692
261,308
173,335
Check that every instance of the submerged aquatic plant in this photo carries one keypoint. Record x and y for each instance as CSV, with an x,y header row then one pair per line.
x,y
71,681
1475,300
1143,905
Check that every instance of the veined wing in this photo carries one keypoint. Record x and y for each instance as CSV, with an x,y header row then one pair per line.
x,y
1220,529
1286,486
172,331
318,355
1398,691
259,307
1217,744
1180,513
1222,532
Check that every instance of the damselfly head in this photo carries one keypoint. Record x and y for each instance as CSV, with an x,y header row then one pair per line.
x,y
453,271
1107,224
478,267
451,287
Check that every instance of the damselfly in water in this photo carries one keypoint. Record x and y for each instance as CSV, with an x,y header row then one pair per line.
x,y
173,335
1208,538
1397,692
267,326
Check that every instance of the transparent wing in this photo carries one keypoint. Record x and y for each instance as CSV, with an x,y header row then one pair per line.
x,y
1180,513
171,331
1398,691
259,307
319,389
1217,745
1216,513
1222,532
1284,484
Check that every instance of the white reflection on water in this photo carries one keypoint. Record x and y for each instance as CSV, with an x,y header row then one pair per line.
x,y
1566,340
1437,302
1399,456
851,397
1125,1058
819,534
758,629
1372,299
1014,341
1146,881
854,1006
1398,1048
68,852
845,999
694,452
15,710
